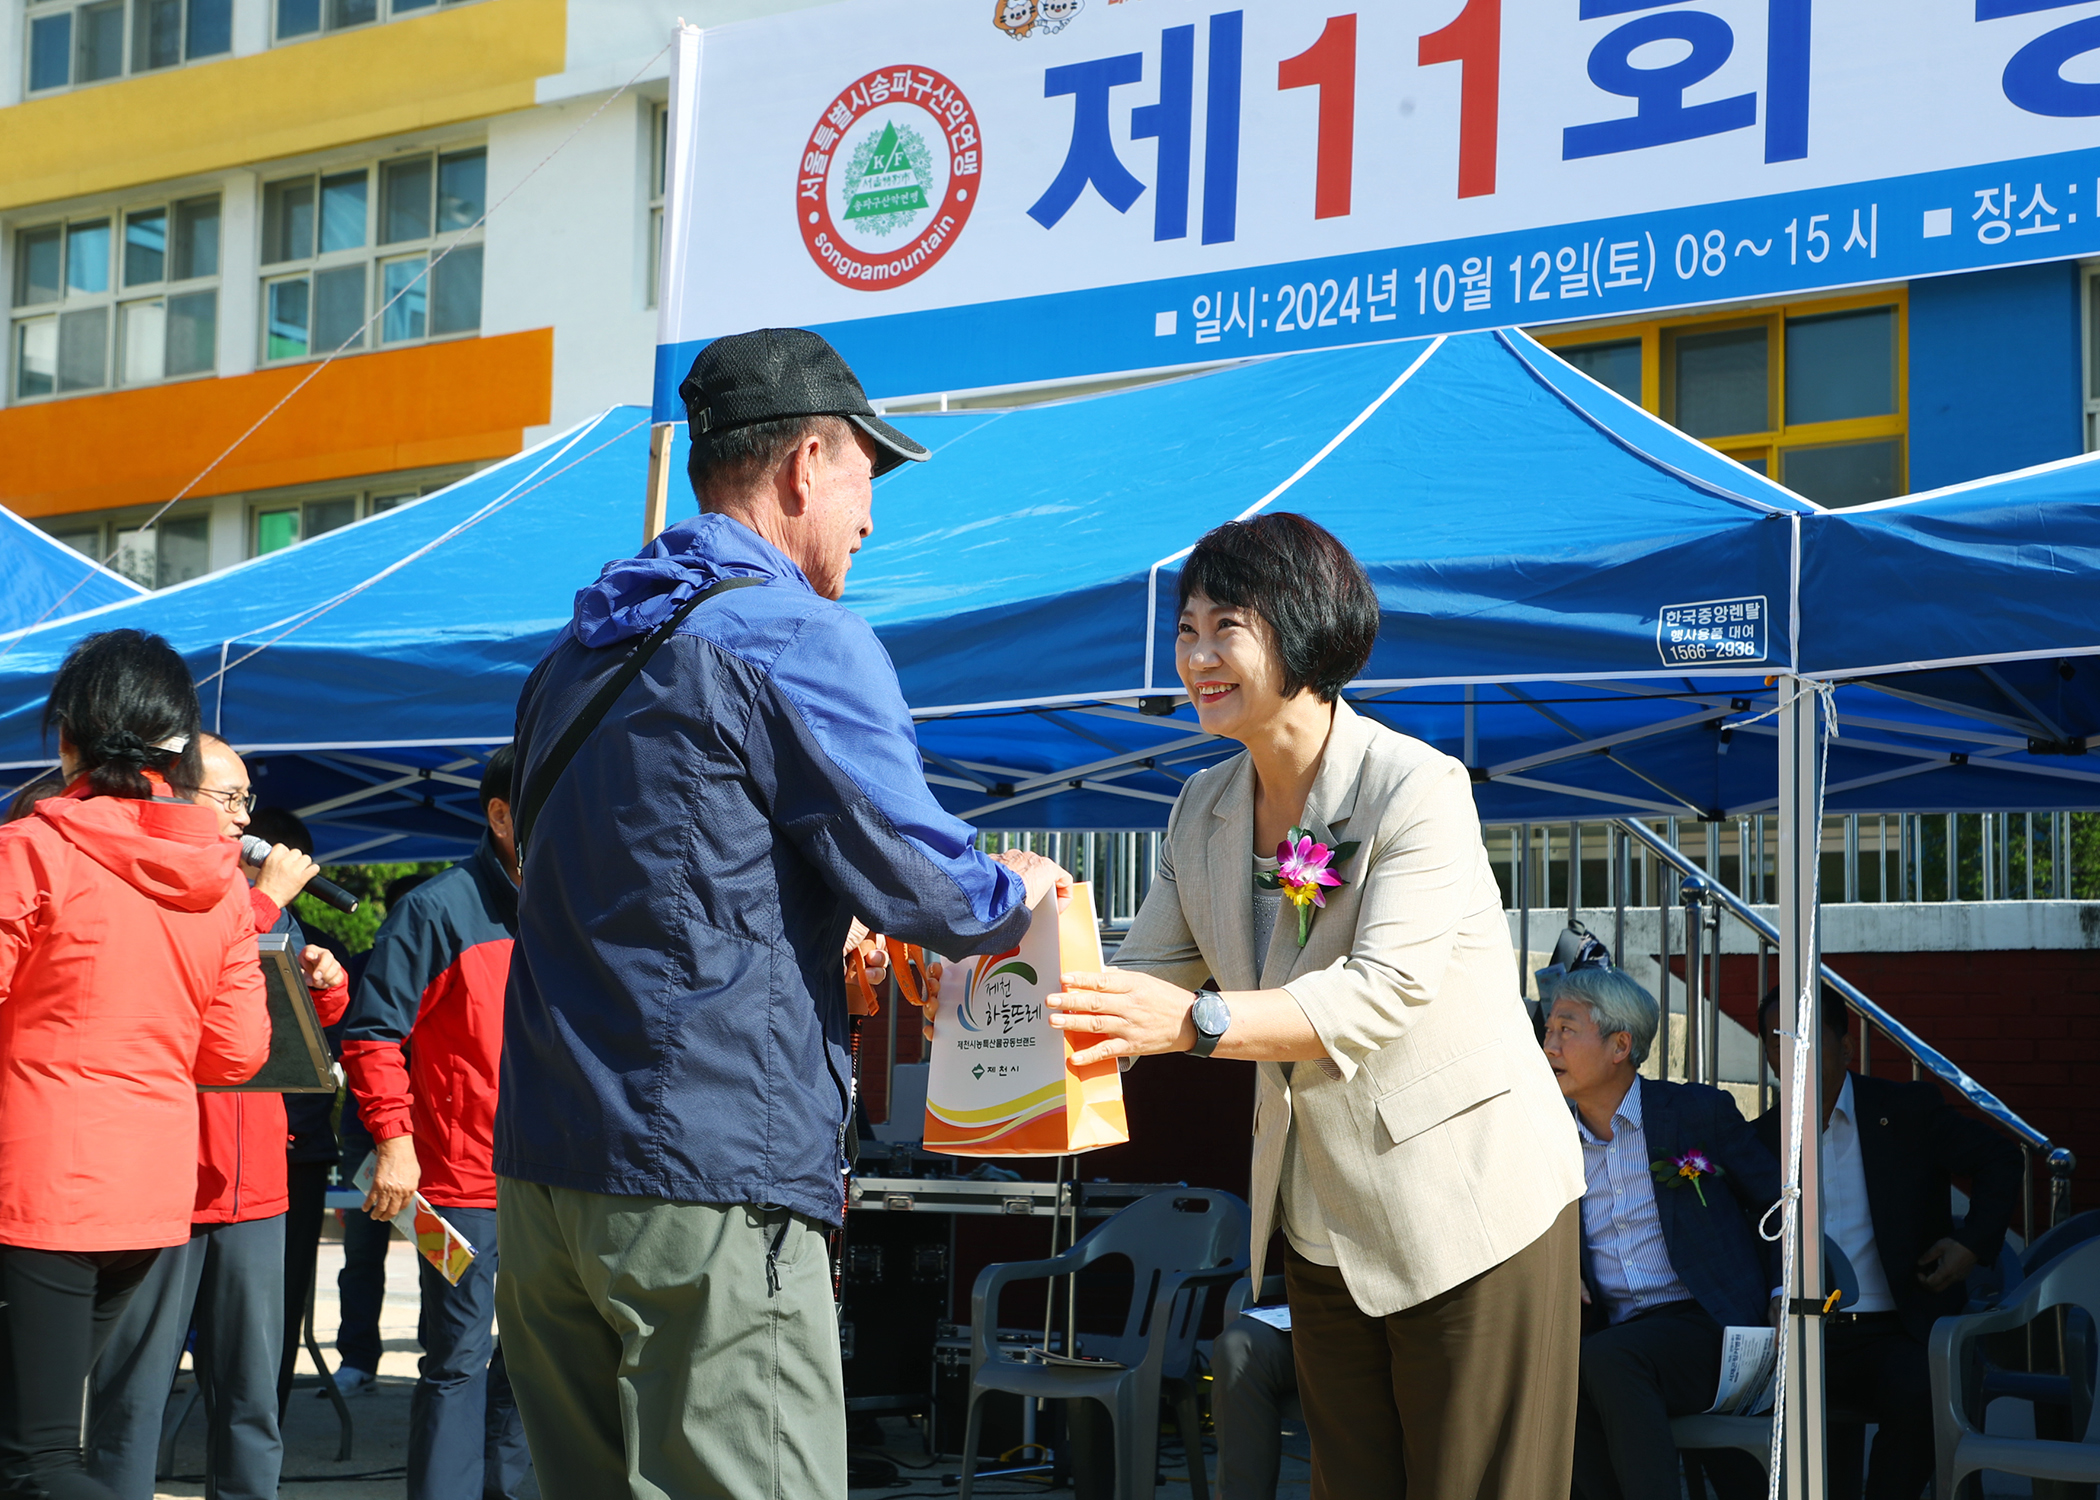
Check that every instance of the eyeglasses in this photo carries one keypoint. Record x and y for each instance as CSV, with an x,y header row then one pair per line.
x,y
234,801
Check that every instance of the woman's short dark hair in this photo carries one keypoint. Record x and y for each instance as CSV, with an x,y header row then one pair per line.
x,y
1293,573
121,697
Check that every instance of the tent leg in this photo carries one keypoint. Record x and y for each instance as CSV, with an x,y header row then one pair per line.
x,y
656,505
1800,846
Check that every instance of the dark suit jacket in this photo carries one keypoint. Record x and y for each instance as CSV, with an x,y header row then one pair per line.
x,y
1714,1247
1912,1143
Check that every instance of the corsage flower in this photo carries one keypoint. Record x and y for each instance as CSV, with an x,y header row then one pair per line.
x,y
1305,873
1678,1170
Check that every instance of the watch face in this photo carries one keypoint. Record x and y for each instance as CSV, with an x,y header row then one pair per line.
x,y
1210,1014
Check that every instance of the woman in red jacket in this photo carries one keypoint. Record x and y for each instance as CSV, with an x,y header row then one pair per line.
x,y
128,976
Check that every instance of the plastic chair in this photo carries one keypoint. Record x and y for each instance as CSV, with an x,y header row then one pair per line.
x,y
2071,1279
2074,1231
1180,1244
1753,1435
2041,1387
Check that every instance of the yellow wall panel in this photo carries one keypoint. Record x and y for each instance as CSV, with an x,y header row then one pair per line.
x,y
458,64
459,401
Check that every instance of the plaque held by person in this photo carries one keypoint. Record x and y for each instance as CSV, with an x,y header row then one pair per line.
x,y
298,1061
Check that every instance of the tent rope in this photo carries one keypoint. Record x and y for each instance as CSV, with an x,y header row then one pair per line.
x,y
355,339
501,502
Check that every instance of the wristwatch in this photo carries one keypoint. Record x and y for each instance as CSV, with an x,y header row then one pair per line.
x,y
1211,1018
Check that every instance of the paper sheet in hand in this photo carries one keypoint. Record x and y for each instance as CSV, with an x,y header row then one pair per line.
x,y
422,1226
1747,1359
1275,1317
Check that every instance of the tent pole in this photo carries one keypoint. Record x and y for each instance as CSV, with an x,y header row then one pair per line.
x,y
1800,850
656,504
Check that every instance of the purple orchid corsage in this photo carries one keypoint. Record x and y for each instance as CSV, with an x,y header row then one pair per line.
x,y
1691,1167
1305,873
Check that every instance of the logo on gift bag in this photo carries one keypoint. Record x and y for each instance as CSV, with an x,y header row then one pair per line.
x,y
888,178
992,999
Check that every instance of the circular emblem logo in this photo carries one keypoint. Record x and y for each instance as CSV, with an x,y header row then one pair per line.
x,y
888,178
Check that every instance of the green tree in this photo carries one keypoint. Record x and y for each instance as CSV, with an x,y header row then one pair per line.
x,y
368,883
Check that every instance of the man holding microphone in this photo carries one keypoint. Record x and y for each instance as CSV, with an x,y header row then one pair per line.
x,y
717,775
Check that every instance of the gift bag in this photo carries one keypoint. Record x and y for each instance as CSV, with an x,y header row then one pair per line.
x,y
1001,1081
422,1226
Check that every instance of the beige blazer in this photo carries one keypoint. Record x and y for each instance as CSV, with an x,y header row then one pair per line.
x,y
1437,1141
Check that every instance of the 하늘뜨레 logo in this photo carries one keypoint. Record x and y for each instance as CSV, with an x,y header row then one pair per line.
x,y
888,178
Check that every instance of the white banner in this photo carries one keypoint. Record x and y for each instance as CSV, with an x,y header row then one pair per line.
x,y
976,192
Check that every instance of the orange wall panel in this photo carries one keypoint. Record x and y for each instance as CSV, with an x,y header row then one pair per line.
x,y
456,402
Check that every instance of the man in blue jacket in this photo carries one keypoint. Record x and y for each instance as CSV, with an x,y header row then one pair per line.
x,y
675,1103
1677,1181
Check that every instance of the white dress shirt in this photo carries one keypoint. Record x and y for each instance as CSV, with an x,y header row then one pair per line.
x,y
1846,1216
1629,1262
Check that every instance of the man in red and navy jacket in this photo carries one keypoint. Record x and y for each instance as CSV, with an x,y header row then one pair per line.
x,y
420,1048
229,1278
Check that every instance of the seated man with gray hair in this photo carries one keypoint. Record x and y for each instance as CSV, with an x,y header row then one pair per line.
x,y
1677,1181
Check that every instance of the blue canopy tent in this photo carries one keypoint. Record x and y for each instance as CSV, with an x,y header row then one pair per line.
x,y
1524,526
46,579
1023,581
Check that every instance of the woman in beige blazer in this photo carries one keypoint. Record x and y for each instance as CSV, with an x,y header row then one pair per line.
x,y
1408,1137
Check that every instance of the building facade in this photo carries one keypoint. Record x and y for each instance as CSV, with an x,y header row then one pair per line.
x,y
205,199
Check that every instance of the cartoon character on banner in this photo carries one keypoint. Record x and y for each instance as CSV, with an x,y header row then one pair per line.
x,y
1053,16
1014,17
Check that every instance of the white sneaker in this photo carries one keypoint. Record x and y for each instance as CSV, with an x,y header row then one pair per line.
x,y
351,1381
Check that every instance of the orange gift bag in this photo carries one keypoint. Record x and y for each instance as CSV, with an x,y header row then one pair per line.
x,y
1001,1080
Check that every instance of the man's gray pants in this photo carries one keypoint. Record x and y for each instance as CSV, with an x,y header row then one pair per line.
x,y
232,1277
663,1349
1253,1377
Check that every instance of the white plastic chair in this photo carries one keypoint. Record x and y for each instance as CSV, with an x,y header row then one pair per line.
x,y
2072,1279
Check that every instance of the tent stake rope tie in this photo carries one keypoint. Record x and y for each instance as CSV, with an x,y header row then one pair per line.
x,y
356,339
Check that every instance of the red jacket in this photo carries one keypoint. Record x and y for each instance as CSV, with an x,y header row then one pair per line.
x,y
435,982
128,976
241,1137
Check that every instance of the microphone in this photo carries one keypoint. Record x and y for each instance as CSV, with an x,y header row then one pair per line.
x,y
255,851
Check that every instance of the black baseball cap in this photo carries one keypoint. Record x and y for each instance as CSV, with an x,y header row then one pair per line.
x,y
771,373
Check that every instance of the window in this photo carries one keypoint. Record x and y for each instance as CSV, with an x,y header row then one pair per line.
x,y
1811,394
174,549
304,18
103,39
299,516
659,159
339,247
116,299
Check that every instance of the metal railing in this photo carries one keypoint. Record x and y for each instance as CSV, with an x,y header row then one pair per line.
x,y
1870,857
1121,864
1704,899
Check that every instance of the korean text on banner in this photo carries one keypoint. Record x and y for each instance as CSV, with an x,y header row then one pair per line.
x,y
1001,1080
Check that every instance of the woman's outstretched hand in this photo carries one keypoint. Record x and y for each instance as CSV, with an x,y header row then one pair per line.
x,y
1131,1014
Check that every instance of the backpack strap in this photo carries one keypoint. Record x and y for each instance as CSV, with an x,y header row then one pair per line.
x,y
549,771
